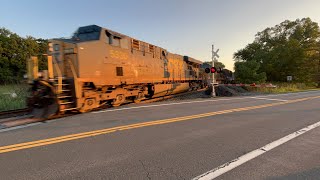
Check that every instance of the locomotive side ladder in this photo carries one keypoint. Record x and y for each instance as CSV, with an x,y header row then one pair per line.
x,y
66,97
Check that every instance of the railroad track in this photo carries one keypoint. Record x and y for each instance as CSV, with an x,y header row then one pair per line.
x,y
14,113
8,117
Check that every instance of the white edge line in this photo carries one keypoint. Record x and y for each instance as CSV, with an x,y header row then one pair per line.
x,y
269,99
292,93
253,154
19,127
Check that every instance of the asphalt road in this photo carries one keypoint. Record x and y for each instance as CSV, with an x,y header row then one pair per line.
x,y
170,140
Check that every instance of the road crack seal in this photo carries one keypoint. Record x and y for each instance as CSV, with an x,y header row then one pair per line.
x,y
145,169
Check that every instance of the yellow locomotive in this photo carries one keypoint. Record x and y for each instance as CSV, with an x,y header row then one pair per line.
x,y
98,66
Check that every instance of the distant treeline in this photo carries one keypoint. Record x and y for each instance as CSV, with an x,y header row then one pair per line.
x,y
14,51
291,48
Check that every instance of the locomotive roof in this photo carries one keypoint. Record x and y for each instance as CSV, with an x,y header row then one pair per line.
x,y
96,28
191,60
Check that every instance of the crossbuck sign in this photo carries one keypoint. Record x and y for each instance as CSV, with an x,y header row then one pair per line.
x,y
215,53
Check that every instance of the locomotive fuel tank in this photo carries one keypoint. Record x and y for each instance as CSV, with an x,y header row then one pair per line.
x,y
168,89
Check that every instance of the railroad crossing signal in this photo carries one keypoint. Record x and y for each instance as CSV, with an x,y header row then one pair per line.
x,y
214,58
213,70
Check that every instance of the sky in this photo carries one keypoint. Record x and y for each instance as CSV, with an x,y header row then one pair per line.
x,y
186,27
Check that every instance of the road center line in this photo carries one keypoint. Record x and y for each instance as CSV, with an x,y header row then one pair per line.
x,y
70,137
253,154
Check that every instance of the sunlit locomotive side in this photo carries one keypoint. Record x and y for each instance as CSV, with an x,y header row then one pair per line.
x,y
98,66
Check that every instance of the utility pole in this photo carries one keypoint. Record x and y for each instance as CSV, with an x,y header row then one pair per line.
x,y
214,58
318,78
318,86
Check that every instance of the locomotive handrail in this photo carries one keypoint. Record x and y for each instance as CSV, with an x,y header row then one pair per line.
x,y
75,79
59,76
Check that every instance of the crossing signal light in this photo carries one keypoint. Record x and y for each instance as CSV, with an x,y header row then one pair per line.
x,y
219,70
207,70
213,70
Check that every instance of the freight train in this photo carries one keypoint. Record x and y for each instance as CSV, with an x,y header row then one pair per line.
x,y
98,66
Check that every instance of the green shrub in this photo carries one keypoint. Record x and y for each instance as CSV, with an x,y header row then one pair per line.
x,y
13,96
283,88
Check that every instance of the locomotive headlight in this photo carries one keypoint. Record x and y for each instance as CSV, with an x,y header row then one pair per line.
x,y
50,47
56,47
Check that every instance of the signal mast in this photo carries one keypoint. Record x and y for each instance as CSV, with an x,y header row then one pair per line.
x,y
213,69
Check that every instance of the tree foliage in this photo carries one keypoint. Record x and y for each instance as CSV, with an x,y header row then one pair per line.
x,y
290,48
246,72
208,64
14,51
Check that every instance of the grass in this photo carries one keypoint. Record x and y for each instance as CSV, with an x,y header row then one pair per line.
x,y
13,96
284,88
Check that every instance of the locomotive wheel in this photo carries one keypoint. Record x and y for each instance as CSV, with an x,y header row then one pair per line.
x,y
120,99
88,105
138,98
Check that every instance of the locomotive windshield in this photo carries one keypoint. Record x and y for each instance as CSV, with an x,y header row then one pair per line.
x,y
87,33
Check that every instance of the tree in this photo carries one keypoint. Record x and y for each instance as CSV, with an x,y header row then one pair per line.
x,y
246,72
290,48
14,51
